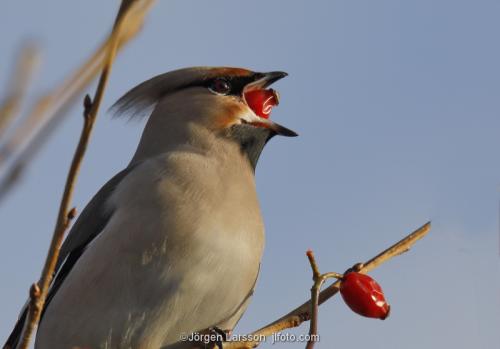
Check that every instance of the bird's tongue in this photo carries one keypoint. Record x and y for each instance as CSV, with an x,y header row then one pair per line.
x,y
261,101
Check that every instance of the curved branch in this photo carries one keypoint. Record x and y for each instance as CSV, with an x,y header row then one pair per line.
x,y
27,62
303,312
51,108
38,292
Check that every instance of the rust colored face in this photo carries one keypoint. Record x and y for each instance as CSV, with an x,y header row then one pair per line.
x,y
251,91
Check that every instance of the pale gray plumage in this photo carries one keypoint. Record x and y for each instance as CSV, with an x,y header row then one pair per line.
x,y
172,244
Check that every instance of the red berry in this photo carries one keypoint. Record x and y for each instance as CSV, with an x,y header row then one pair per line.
x,y
261,101
364,296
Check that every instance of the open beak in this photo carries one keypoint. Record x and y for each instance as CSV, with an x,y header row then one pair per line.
x,y
262,82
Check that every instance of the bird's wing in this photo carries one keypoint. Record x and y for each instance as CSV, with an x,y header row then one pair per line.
x,y
231,321
89,224
91,221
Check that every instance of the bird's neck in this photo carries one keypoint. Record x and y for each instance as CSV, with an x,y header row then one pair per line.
x,y
159,138
242,140
251,140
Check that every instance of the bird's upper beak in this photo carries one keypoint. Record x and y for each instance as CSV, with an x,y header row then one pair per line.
x,y
257,88
264,80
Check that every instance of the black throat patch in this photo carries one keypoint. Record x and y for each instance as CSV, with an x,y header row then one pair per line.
x,y
251,140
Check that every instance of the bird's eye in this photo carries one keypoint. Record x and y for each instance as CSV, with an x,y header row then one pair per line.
x,y
220,86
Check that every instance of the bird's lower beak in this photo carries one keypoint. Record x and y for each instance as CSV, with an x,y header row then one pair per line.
x,y
262,82
281,130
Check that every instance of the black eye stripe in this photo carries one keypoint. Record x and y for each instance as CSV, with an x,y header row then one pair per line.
x,y
237,83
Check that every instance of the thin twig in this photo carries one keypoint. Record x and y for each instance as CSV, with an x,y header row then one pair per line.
x,y
318,282
303,313
49,110
319,279
39,290
27,62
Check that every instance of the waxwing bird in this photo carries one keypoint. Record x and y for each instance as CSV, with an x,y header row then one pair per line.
x,y
172,244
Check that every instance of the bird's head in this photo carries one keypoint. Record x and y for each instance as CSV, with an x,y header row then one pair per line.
x,y
232,103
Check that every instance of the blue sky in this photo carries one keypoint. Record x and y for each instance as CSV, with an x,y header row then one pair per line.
x,y
396,104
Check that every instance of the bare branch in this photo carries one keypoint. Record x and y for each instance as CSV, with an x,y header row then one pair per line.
x,y
303,313
319,280
39,290
27,63
50,110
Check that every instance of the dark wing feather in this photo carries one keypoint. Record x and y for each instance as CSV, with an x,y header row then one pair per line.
x,y
89,224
